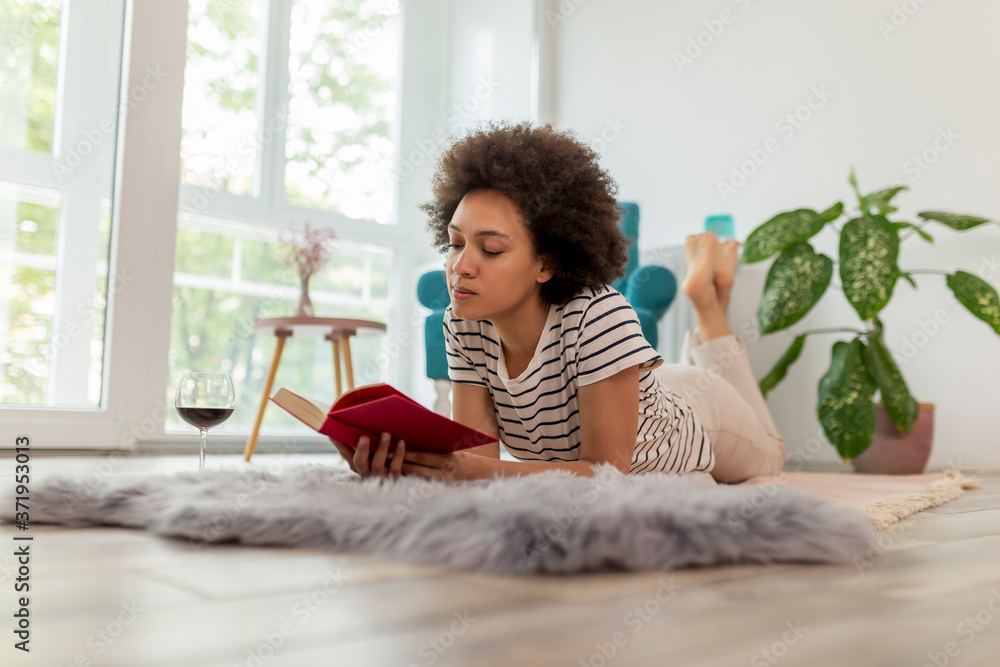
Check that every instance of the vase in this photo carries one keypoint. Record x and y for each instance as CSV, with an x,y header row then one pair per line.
x,y
895,453
305,307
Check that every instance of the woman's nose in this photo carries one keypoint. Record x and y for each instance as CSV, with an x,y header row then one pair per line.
x,y
463,264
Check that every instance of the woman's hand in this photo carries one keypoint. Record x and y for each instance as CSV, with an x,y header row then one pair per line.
x,y
367,463
456,465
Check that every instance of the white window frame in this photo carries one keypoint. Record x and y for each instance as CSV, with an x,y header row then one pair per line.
x,y
79,170
147,191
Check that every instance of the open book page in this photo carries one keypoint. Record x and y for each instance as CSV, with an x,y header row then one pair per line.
x,y
312,413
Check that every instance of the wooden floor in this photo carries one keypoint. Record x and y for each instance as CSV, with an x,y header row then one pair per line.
x,y
929,595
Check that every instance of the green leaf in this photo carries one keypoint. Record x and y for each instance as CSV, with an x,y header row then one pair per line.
x,y
869,247
881,200
846,410
908,278
777,373
978,296
904,225
900,404
832,213
956,221
784,231
794,284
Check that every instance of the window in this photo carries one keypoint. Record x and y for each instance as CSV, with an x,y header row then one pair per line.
x,y
102,177
229,275
288,115
59,83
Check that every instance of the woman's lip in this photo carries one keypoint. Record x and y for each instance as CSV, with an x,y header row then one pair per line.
x,y
460,294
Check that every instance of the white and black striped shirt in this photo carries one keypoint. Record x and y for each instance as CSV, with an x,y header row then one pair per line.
x,y
592,337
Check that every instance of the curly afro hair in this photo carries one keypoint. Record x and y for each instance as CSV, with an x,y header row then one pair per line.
x,y
567,202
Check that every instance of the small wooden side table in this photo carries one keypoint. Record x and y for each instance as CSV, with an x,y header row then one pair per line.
x,y
334,329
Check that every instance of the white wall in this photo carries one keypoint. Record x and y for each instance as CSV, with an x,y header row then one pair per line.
x,y
680,128
480,58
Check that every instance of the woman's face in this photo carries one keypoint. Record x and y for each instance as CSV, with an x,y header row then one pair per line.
x,y
492,268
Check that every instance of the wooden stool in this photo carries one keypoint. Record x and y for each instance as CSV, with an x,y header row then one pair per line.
x,y
338,332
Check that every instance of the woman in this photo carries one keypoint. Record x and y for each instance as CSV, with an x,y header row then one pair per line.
x,y
546,356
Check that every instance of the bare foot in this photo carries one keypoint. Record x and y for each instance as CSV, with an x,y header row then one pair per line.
x,y
726,258
698,285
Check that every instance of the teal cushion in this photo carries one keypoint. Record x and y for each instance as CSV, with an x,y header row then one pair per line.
x,y
432,290
652,287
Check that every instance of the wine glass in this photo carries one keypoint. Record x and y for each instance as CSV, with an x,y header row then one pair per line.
x,y
204,400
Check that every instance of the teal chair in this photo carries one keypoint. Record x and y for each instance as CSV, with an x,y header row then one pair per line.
x,y
649,289
432,292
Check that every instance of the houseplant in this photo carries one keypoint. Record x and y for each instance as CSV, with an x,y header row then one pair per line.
x,y
869,269
307,252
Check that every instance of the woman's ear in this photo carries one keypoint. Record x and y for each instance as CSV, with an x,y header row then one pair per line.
x,y
544,274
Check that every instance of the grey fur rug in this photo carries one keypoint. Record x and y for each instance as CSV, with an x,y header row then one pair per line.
x,y
550,522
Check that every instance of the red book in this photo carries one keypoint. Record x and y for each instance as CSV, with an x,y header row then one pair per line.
x,y
374,408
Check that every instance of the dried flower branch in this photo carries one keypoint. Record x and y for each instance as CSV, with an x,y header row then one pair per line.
x,y
307,251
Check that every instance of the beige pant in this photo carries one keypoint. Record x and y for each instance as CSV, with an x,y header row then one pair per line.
x,y
716,380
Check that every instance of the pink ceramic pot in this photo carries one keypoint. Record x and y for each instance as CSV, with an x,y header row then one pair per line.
x,y
892,453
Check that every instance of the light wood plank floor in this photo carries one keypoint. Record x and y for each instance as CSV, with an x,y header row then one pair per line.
x,y
928,595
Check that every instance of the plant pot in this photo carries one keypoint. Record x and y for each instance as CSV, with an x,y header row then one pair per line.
x,y
305,307
891,452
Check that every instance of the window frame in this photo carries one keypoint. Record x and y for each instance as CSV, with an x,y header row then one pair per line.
x,y
147,194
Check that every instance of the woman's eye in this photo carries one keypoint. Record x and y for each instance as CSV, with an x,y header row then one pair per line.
x,y
485,251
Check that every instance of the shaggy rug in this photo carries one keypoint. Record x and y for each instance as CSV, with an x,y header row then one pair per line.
x,y
551,522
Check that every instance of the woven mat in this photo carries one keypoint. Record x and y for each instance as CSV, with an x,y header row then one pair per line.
x,y
884,499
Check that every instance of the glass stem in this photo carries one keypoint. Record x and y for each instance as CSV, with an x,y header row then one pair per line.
x,y
201,460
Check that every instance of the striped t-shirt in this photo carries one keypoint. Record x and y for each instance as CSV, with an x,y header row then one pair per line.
x,y
592,337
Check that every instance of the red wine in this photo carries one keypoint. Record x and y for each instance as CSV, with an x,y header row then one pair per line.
x,y
204,417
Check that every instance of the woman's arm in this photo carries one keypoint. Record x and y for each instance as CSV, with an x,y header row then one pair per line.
x,y
609,419
472,405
